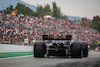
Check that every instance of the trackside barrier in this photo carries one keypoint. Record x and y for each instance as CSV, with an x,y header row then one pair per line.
x,y
15,48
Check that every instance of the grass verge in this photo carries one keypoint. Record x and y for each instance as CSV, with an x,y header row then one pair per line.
x,y
14,54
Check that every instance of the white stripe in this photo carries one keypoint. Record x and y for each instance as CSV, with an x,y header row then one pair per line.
x,y
15,57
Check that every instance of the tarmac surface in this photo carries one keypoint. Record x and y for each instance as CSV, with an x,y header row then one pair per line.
x,y
93,60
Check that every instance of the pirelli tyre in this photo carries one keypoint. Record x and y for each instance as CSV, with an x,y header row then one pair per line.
x,y
39,50
85,49
76,50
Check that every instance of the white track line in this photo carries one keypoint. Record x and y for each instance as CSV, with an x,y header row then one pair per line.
x,y
15,57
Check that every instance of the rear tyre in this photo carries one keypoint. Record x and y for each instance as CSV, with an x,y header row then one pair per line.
x,y
85,49
39,50
76,50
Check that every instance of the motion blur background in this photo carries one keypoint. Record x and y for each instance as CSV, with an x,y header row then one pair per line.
x,y
23,22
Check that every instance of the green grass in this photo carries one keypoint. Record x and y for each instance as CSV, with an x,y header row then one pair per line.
x,y
14,54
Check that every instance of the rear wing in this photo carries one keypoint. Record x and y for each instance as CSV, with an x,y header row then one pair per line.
x,y
57,37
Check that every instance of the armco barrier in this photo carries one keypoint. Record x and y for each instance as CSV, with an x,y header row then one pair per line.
x,y
15,48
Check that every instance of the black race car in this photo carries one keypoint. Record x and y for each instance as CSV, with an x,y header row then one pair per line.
x,y
60,45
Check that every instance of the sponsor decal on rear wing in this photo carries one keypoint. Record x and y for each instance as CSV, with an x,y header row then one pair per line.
x,y
56,37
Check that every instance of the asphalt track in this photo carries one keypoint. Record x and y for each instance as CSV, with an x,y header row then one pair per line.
x,y
93,60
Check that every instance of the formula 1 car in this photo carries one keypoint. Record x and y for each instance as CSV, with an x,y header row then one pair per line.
x,y
60,45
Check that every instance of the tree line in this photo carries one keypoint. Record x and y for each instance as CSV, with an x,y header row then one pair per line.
x,y
55,11
46,10
94,23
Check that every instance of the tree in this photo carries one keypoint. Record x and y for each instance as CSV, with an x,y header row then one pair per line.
x,y
54,10
21,8
96,23
85,21
40,10
57,12
8,9
47,10
25,10
96,18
